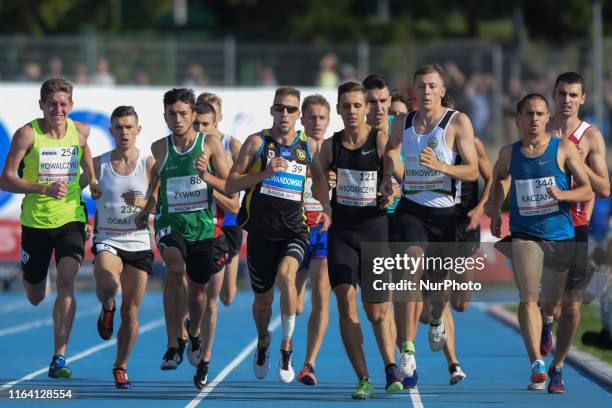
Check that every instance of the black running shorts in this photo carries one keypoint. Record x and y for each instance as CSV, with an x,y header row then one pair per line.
x,y
463,236
198,256
264,256
38,244
233,235
142,260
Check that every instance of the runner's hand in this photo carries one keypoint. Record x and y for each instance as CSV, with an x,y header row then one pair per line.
x,y
141,220
496,224
134,198
474,214
556,193
276,165
429,160
57,190
332,178
88,231
325,217
386,186
95,190
384,201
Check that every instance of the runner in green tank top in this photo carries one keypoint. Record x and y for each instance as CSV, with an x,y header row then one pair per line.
x,y
44,163
181,189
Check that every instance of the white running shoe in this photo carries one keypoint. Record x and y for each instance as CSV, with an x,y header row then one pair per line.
x,y
407,365
261,361
437,337
285,367
456,374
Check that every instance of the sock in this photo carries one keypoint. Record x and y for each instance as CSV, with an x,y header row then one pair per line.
x,y
408,347
390,367
549,320
288,324
435,322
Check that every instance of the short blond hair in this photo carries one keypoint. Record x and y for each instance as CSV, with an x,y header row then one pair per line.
x,y
55,85
211,98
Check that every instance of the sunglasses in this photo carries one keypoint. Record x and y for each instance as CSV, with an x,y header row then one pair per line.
x,y
277,107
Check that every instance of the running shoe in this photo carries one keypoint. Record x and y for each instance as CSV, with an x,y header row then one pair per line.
x,y
285,367
307,375
58,367
105,323
194,351
546,342
456,374
407,364
394,382
410,382
171,360
121,379
556,384
437,337
365,389
201,377
261,362
538,376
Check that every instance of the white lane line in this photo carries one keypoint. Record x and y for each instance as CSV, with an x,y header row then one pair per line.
x,y
415,397
230,367
42,322
143,329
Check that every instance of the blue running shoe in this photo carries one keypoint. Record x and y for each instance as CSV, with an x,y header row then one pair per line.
x,y
556,384
538,376
394,383
410,382
58,367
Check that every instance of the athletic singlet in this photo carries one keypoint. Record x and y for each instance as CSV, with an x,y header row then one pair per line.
x,y
579,210
532,210
184,202
114,220
274,208
228,219
467,193
50,160
421,185
359,173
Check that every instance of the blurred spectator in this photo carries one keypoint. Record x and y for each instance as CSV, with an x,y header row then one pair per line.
x,y
56,68
348,73
196,76
31,72
478,93
510,98
141,77
266,76
399,103
328,77
80,74
103,76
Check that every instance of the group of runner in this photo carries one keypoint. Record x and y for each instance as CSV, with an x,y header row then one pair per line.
x,y
309,203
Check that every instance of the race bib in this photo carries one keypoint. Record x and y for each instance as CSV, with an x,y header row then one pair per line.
x,y
117,218
58,164
288,185
310,204
418,178
533,198
356,188
186,193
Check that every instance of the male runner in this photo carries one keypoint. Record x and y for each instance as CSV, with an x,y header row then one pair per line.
x,y
315,119
540,167
429,139
123,251
569,96
233,233
181,188
272,167
355,154
399,103
44,162
224,206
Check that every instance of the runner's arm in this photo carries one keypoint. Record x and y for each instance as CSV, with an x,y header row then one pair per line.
x,y
464,140
239,179
501,172
320,167
582,192
597,169
391,160
486,172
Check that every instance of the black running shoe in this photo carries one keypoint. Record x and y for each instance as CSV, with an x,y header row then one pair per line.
x,y
200,379
121,379
172,359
